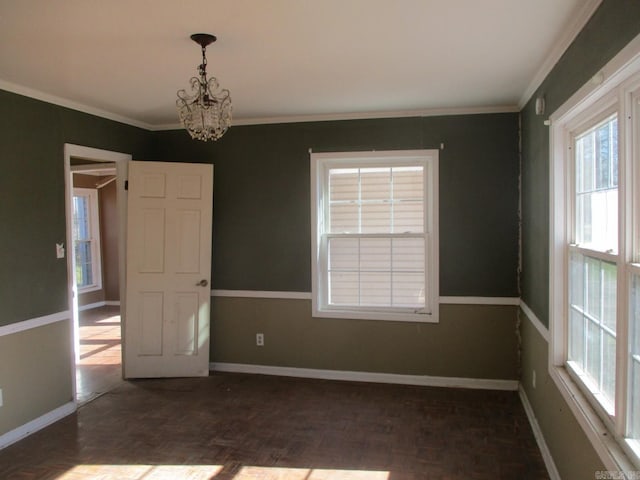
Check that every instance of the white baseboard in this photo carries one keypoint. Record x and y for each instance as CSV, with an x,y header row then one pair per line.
x,y
37,424
89,306
421,380
537,433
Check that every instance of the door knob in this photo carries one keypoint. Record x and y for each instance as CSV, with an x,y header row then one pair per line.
x,y
202,283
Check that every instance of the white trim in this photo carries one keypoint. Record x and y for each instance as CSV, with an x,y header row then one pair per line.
x,y
372,377
63,102
34,323
480,300
104,303
569,33
430,112
537,433
90,306
452,300
535,321
261,294
39,423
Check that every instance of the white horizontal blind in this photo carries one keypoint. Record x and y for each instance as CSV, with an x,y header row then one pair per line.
x,y
375,240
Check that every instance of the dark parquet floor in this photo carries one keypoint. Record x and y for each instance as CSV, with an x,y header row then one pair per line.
x,y
234,426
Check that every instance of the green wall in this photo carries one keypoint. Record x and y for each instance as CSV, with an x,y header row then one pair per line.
x,y
261,238
613,25
33,282
35,364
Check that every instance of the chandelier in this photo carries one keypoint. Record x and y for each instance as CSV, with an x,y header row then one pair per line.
x,y
206,110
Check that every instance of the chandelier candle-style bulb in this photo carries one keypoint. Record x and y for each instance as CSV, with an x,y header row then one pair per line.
x,y
206,110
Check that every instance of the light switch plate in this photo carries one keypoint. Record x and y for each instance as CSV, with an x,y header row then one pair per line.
x,y
59,250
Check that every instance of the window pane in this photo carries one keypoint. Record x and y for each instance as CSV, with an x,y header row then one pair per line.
x,y
408,254
408,290
377,271
376,218
385,270
343,254
375,254
592,285
408,183
343,184
375,289
408,217
576,337
596,163
343,288
634,364
82,240
609,366
376,200
375,183
576,280
343,218
84,271
593,354
592,323
609,296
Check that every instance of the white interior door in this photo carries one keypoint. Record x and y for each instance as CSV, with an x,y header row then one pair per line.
x,y
168,270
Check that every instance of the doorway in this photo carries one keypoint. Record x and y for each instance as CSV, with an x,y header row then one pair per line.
x,y
96,222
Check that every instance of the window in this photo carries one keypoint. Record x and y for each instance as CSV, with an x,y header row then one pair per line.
x,y
86,239
374,235
595,261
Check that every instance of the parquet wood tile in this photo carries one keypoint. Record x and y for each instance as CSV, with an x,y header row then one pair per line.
x,y
249,427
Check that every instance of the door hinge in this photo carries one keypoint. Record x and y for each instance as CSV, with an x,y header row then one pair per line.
x,y
126,184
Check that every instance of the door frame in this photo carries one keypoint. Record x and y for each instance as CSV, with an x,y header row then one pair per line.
x,y
121,161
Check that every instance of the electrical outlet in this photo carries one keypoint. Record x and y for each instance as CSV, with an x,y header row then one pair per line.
x,y
533,379
260,339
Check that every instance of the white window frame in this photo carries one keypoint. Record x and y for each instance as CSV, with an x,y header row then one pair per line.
x,y
94,227
320,165
610,90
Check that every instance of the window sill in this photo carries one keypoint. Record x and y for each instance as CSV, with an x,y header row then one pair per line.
x,y
612,454
376,315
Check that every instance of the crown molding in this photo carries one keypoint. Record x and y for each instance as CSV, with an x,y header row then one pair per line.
x,y
432,112
63,102
569,34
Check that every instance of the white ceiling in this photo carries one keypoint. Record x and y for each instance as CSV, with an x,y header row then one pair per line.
x,y
285,59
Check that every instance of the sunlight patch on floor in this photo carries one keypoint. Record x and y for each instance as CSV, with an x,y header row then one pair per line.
x,y
210,472
276,473
136,472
